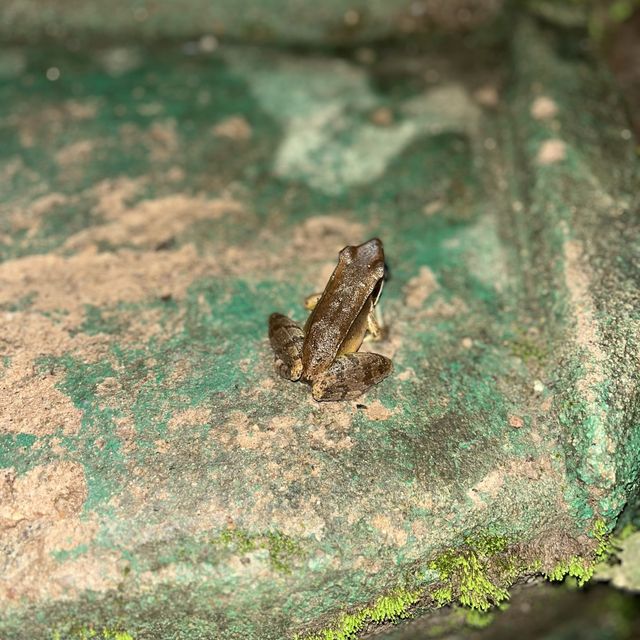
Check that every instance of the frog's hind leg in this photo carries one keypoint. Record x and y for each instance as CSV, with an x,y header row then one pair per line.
x,y
351,375
286,339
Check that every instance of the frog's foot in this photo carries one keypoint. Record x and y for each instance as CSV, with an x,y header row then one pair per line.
x,y
351,375
286,339
374,331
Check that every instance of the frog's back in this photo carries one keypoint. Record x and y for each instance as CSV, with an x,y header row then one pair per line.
x,y
349,290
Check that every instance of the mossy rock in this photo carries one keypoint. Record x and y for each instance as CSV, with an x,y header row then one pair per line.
x,y
159,480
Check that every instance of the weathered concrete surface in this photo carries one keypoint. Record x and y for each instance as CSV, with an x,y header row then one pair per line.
x,y
158,478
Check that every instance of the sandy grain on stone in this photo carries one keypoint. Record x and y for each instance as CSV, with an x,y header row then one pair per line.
x,y
32,402
322,237
391,533
39,515
234,128
76,152
377,411
151,223
419,288
193,416
70,283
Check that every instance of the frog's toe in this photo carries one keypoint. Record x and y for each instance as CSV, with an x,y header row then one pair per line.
x,y
289,371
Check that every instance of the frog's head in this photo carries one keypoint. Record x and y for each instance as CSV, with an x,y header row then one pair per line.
x,y
369,254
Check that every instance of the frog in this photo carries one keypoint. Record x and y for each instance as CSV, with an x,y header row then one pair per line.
x,y
324,353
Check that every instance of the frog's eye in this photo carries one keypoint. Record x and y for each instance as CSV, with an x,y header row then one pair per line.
x,y
387,272
347,254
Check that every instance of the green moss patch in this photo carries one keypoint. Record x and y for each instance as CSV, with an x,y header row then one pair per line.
x,y
475,573
282,549
580,567
89,633
388,608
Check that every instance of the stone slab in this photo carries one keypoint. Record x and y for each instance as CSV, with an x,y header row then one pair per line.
x,y
157,204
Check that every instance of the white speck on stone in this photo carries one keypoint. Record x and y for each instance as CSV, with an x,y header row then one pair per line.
x,y
208,43
551,151
543,108
352,18
538,386
120,60
432,207
467,343
487,96
490,144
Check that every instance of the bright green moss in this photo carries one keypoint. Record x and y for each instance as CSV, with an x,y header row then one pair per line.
x,y
442,595
89,633
577,567
582,568
467,573
605,546
386,609
488,545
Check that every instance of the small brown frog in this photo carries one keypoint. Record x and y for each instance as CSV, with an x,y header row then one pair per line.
x,y
325,352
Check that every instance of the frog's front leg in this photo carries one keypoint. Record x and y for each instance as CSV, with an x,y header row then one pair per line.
x,y
351,375
373,327
374,330
311,301
286,339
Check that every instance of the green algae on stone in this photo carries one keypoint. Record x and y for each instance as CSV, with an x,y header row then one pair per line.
x,y
282,549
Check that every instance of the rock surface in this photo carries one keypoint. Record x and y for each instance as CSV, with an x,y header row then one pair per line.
x,y
158,204
328,22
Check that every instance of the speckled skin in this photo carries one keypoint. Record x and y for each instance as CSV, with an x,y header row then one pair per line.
x,y
324,353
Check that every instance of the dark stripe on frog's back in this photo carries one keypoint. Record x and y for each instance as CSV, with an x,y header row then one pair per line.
x,y
329,324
